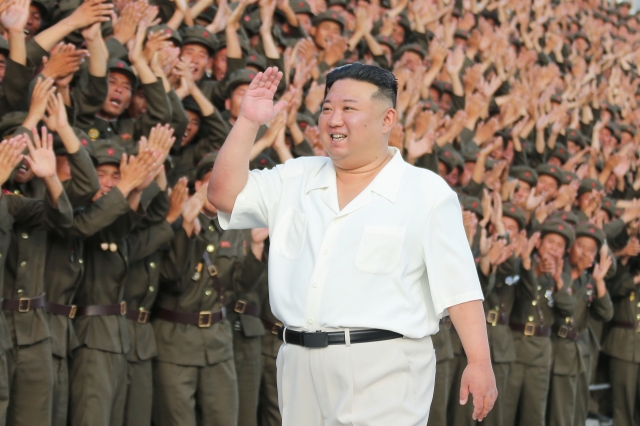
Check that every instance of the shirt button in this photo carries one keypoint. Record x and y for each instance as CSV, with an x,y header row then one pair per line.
x,y
211,228
211,248
310,320
207,293
80,261
534,303
25,236
20,291
23,264
151,289
152,265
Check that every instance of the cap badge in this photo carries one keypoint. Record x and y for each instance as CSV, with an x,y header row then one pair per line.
x,y
560,227
225,244
110,151
93,133
125,136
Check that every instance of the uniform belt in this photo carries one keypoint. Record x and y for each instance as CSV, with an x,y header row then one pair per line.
x,y
69,311
24,304
628,325
140,316
202,319
246,308
271,327
530,329
565,332
494,317
100,310
320,339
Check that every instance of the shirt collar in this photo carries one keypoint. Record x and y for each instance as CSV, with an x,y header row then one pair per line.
x,y
386,183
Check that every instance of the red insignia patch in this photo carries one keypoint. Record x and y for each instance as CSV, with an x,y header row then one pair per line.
x,y
252,57
110,151
569,178
303,124
263,161
301,4
560,227
474,204
527,174
225,244
592,230
251,76
512,209
246,18
125,136
83,142
168,32
593,184
334,16
553,170
561,151
564,216
607,204
573,133
120,65
205,34
447,153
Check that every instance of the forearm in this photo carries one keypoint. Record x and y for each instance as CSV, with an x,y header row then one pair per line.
x,y
134,199
69,139
176,20
201,5
469,320
54,189
233,43
270,48
373,45
145,74
17,47
206,107
48,38
98,55
231,169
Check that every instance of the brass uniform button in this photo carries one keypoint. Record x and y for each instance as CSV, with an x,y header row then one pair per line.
x,y
25,236
80,261
211,248
151,289
113,247
534,303
530,319
152,265
20,291
207,293
23,264
104,246
211,228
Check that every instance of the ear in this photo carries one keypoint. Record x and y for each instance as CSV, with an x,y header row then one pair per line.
x,y
539,243
227,104
198,185
389,119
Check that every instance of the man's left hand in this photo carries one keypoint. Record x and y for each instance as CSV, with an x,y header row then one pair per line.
x,y
479,381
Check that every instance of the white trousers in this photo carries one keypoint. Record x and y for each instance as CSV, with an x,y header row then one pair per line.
x,y
378,383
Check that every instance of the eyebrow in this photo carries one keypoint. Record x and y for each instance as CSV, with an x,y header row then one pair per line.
x,y
344,100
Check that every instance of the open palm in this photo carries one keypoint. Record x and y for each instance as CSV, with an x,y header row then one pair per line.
x,y
257,104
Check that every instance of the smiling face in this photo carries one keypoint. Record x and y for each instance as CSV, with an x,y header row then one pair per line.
x,y
583,253
138,104
325,32
355,127
552,244
34,22
118,97
192,128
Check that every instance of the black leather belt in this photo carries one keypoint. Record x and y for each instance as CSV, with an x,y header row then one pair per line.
x,y
321,339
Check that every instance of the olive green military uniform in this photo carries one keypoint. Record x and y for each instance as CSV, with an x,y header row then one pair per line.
x,y
194,375
65,257
622,344
90,94
442,388
269,411
531,319
29,362
243,313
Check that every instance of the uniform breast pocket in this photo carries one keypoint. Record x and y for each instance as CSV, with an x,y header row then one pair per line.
x,y
380,249
288,237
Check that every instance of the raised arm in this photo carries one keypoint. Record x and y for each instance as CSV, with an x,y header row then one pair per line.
x,y
231,169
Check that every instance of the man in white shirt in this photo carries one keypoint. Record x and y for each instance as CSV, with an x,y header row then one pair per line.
x,y
367,254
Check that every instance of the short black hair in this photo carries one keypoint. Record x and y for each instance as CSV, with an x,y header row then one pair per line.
x,y
384,80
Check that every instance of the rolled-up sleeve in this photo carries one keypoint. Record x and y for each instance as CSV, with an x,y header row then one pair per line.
x,y
451,270
256,203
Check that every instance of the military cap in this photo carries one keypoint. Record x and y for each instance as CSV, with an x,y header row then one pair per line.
x,y
456,12
305,120
208,14
343,3
237,78
206,164
569,177
505,134
382,39
107,152
10,121
624,3
575,136
614,129
411,47
301,6
560,152
261,162
329,15
85,141
568,217
256,60
403,21
558,227
550,170
450,157
524,173
626,128
198,35
190,104
386,4
471,156
581,35
461,34
442,86
173,34
252,21
609,205
490,14
4,46
588,185
471,204
556,98
515,213
45,6
117,65
614,110
590,230
430,105
220,42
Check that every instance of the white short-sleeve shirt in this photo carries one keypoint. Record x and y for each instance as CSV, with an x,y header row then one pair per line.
x,y
395,258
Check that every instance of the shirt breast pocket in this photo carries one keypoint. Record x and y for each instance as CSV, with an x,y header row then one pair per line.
x,y
380,249
288,237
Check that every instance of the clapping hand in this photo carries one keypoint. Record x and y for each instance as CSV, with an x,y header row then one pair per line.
x,y
257,105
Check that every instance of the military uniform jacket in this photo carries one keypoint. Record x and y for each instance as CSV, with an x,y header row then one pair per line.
x,y
106,262
536,301
188,345
24,273
216,91
499,294
91,93
624,343
567,354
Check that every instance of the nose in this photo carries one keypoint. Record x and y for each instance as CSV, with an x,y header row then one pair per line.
x,y
335,119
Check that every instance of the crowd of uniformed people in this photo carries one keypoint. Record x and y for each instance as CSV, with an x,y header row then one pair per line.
x,y
124,302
